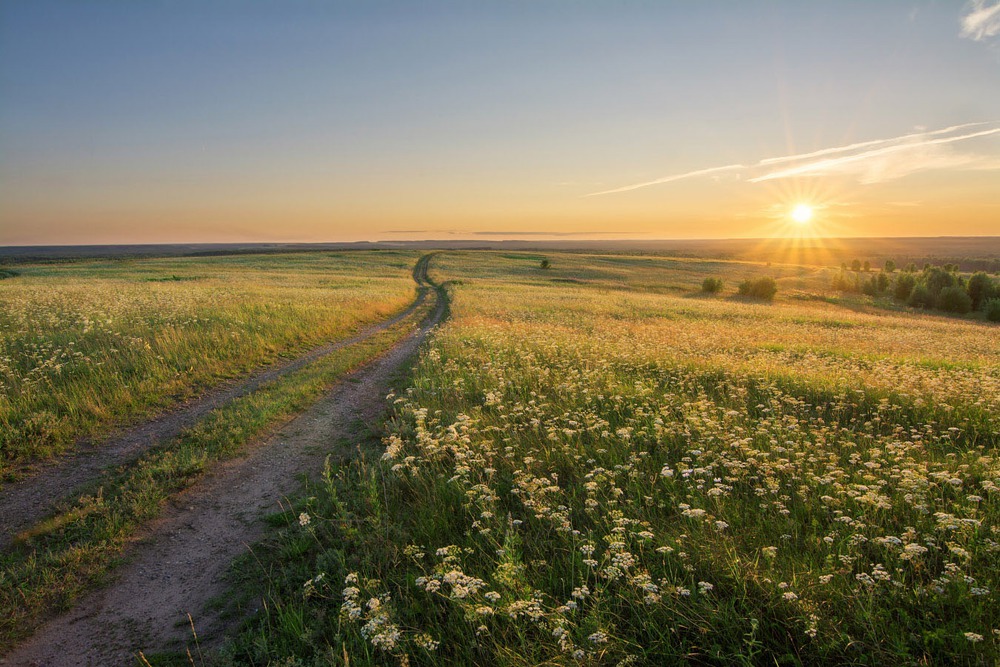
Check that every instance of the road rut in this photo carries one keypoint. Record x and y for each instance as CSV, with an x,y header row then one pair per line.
x,y
178,566
25,503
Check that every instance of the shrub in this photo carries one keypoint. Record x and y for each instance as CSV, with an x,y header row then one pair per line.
x,y
711,285
954,300
759,288
980,288
936,279
546,264
882,283
920,297
904,286
844,283
992,309
889,266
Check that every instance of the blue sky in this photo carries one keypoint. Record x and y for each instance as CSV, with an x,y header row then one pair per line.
x,y
312,121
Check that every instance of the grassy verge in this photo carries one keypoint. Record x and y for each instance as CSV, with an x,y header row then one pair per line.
x,y
58,560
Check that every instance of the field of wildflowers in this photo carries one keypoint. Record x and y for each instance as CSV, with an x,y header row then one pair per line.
x,y
591,464
85,345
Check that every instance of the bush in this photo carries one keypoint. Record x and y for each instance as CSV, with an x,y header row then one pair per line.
x,y
889,266
844,283
936,279
920,297
763,288
546,264
711,285
954,300
882,283
904,286
992,309
980,288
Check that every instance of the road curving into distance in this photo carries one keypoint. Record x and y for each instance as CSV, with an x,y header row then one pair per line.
x,y
26,502
175,575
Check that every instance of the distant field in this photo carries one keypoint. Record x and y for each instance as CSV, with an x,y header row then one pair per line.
x,y
595,463
974,253
91,343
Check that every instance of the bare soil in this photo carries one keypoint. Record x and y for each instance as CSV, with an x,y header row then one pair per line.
x,y
178,566
28,501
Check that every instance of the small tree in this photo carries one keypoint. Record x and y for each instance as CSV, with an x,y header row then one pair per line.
x,y
868,266
856,265
546,265
889,266
920,297
842,282
936,278
882,283
711,285
904,286
980,288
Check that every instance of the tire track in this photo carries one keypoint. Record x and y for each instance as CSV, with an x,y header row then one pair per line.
x,y
26,502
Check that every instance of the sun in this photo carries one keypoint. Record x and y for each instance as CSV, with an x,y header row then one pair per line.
x,y
802,213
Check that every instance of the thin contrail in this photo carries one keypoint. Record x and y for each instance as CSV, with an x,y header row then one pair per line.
x,y
668,179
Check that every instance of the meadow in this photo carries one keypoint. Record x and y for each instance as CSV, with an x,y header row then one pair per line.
x,y
88,345
120,340
596,463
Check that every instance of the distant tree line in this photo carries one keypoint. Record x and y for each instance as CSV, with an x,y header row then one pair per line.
x,y
938,287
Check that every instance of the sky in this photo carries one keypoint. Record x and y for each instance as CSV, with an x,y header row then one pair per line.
x,y
297,121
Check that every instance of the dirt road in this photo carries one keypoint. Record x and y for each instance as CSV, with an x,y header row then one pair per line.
x,y
178,565
27,502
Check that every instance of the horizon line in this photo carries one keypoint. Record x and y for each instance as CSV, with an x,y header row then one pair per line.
x,y
493,240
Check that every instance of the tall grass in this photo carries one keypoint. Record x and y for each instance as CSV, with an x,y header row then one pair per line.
x,y
54,562
88,345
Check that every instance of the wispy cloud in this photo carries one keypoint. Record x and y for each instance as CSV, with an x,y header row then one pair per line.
x,y
886,160
982,20
867,161
869,144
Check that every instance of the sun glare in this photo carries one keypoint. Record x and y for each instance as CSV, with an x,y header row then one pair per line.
x,y
802,213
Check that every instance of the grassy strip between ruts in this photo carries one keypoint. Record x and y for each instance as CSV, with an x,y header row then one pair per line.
x,y
71,552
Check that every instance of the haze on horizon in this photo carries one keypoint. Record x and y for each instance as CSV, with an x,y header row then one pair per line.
x,y
162,122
